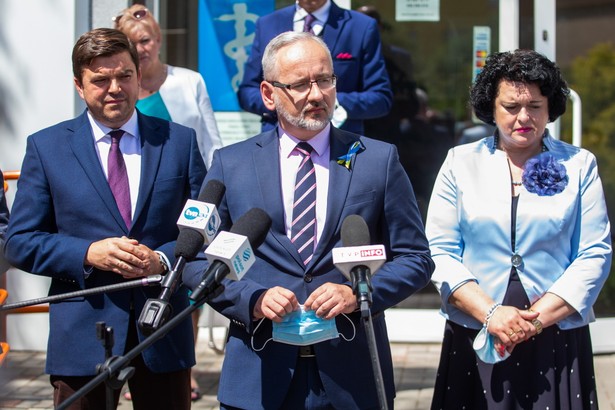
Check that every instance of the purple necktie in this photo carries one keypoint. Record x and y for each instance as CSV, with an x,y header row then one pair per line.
x,y
303,227
307,25
118,177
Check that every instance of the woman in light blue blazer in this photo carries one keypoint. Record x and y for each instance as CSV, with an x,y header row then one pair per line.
x,y
519,232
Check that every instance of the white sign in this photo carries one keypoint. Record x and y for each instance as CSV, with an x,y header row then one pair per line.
x,y
417,10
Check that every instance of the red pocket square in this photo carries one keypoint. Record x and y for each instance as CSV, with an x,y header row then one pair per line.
x,y
344,56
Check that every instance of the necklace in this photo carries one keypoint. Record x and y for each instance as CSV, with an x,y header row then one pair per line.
x,y
496,141
155,84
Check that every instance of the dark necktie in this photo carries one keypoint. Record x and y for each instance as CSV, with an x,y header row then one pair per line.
x,y
303,227
307,24
118,177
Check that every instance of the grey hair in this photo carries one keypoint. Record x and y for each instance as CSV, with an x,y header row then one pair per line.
x,y
282,40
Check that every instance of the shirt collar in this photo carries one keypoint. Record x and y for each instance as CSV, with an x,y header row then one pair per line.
x,y
322,14
319,142
130,127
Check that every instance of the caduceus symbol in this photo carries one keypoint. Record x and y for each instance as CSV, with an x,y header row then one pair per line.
x,y
236,48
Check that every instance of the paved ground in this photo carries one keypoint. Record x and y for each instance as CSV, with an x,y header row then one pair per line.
x,y
24,386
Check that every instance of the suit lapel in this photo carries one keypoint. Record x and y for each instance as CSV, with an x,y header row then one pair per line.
x,y
333,28
81,141
152,141
339,184
267,165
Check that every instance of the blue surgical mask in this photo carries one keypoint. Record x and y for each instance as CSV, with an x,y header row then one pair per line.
x,y
302,327
485,348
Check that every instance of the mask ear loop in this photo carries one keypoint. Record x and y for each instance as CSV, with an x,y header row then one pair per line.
x,y
252,337
354,330
354,334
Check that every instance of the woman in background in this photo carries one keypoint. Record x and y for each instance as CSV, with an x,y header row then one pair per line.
x,y
173,93
519,232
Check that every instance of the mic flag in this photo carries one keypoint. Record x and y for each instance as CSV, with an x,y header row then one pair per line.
x,y
232,252
357,250
201,214
359,260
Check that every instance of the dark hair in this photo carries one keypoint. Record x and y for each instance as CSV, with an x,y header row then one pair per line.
x,y
101,42
526,66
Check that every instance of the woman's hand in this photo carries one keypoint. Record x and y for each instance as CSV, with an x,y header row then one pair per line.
x,y
511,326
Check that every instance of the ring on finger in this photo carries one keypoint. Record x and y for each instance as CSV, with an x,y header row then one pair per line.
x,y
512,332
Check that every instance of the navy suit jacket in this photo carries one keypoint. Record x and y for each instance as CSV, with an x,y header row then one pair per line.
x,y
363,87
63,204
376,188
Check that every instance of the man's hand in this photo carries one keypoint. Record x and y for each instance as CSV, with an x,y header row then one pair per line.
x,y
331,299
123,256
275,303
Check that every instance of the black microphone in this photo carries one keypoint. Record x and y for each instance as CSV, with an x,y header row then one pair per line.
x,y
232,252
205,222
156,311
198,224
358,260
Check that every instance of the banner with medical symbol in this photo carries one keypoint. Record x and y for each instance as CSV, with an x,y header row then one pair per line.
x,y
226,32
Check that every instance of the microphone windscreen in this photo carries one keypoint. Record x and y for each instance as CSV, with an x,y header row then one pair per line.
x,y
254,224
189,243
355,231
212,193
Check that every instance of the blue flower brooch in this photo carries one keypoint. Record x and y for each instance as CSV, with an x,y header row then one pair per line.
x,y
544,176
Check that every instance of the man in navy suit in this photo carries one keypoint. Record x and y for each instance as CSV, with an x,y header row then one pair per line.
x,y
68,226
354,175
363,89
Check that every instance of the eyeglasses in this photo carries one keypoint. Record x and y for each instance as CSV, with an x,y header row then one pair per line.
x,y
305,87
139,14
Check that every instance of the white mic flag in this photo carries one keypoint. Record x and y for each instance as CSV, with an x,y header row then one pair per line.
x,y
201,215
370,256
234,251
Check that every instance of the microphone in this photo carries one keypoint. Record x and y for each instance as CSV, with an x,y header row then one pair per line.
x,y
358,260
231,252
156,311
198,224
202,215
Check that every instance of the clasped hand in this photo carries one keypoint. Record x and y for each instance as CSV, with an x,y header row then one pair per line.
x,y
328,300
124,256
511,326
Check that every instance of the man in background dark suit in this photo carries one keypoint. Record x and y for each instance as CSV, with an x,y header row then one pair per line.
x,y
363,89
69,224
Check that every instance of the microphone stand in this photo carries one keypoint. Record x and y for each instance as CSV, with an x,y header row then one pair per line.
x,y
114,371
362,287
145,281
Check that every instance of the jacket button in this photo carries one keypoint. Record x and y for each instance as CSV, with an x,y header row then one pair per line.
x,y
307,278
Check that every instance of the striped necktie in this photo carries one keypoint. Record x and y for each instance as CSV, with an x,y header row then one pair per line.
x,y
303,227
118,177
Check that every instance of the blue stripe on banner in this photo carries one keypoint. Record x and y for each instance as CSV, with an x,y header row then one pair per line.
x,y
226,32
